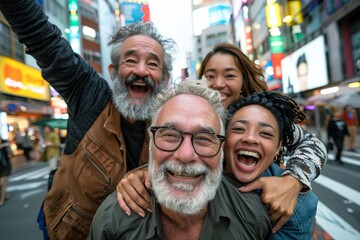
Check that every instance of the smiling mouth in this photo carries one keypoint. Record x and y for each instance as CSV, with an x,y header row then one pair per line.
x,y
184,174
139,86
247,158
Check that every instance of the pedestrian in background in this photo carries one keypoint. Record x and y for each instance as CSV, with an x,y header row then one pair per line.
x,y
350,117
5,169
51,147
19,140
337,130
28,145
38,143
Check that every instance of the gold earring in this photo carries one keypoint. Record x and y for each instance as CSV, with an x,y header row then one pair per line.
x,y
277,158
241,96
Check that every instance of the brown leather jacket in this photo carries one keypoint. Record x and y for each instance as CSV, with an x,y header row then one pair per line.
x,y
94,158
85,178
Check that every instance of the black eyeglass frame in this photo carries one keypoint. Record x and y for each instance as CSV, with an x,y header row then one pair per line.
x,y
153,130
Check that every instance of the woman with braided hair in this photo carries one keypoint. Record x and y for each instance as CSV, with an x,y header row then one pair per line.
x,y
259,126
235,76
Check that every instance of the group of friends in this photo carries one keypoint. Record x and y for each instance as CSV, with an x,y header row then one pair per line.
x,y
175,156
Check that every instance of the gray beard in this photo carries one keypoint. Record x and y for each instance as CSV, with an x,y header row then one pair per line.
x,y
190,204
129,110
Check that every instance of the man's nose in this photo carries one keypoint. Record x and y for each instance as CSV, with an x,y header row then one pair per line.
x,y
141,69
185,152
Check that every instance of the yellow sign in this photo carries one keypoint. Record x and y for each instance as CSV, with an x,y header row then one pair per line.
x,y
273,16
294,9
21,80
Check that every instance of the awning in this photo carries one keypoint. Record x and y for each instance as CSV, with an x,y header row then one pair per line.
x,y
322,99
54,123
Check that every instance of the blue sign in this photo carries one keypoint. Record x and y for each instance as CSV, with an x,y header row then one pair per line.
x,y
219,15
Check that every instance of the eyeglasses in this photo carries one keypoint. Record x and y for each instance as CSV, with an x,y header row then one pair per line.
x,y
169,139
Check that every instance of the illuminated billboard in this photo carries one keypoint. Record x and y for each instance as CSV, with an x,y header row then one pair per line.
x,y
21,80
306,68
135,12
210,15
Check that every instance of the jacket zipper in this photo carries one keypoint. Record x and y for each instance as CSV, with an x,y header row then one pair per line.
x,y
81,212
99,170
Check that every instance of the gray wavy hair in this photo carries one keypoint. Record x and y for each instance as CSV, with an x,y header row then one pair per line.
x,y
195,87
145,29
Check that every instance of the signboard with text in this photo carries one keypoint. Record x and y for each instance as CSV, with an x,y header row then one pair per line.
x,y
21,80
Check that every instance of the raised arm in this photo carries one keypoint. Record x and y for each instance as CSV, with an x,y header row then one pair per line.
x,y
64,69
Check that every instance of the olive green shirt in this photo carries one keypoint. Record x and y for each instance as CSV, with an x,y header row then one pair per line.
x,y
231,215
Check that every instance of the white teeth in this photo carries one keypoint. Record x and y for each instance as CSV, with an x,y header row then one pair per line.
x,y
183,175
248,153
139,84
223,97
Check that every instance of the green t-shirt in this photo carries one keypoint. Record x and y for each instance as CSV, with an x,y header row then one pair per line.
x,y
231,215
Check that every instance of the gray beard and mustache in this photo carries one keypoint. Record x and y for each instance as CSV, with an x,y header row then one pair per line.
x,y
123,102
190,204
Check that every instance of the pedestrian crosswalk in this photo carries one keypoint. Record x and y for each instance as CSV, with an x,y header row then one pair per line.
x,y
338,208
345,159
28,181
328,219
333,224
41,173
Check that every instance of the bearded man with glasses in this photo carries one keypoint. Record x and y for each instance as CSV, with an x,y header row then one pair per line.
x,y
190,197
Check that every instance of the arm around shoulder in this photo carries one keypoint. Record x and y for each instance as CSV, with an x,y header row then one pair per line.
x,y
307,157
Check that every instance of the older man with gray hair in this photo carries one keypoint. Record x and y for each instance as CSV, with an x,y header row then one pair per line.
x,y
190,198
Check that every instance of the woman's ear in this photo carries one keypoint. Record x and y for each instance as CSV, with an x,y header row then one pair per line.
x,y
278,149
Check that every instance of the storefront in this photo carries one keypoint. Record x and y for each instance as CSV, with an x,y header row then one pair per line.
x,y
24,98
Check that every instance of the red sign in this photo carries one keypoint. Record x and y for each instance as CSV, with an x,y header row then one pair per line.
x,y
276,62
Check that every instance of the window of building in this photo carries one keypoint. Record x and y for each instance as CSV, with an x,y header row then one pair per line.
x,y
90,34
89,13
92,56
58,9
215,38
18,49
5,39
313,18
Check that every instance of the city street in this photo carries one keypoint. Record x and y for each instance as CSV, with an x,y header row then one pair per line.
x,y
338,189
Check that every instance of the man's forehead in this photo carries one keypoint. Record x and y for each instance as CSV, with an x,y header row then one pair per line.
x,y
141,43
188,107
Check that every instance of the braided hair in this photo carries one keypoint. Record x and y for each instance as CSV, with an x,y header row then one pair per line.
x,y
285,110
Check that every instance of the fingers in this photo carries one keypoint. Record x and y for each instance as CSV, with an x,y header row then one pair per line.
x,y
122,203
132,200
282,220
132,193
258,183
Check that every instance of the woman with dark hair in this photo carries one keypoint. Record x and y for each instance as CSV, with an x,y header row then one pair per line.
x,y
260,127
235,76
5,169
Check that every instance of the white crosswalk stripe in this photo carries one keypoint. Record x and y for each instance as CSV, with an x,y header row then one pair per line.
x,y
37,174
339,188
348,160
332,223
